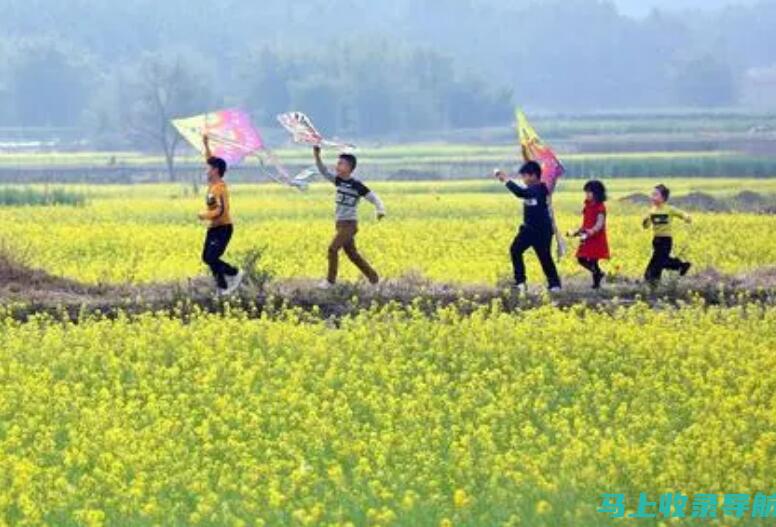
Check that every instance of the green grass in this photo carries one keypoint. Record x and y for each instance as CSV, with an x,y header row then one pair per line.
x,y
14,196
431,161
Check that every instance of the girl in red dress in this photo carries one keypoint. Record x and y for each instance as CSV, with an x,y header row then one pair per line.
x,y
594,245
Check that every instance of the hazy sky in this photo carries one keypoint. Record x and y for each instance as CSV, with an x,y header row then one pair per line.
x,y
642,7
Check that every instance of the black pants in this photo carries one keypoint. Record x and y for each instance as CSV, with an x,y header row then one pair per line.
x,y
590,265
661,259
541,241
216,241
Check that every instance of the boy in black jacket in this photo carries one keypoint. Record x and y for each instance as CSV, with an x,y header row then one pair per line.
x,y
536,230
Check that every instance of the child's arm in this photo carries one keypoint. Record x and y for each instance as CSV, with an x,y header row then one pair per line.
x,y
681,214
646,221
600,223
520,192
206,142
516,189
319,163
215,213
375,200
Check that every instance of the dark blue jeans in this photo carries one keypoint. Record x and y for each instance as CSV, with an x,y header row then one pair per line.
x,y
541,241
216,242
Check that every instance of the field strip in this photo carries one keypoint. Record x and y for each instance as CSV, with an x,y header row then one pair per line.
x,y
26,293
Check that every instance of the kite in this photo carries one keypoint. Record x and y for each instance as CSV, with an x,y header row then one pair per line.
x,y
234,138
534,149
232,135
304,132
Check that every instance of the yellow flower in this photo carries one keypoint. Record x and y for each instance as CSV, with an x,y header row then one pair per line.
x,y
543,507
460,498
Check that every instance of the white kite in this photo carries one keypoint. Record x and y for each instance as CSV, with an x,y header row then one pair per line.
x,y
304,132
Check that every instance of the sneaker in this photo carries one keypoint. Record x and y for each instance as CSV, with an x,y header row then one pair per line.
x,y
325,284
520,289
556,289
233,282
685,268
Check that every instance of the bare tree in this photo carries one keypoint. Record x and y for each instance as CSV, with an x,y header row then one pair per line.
x,y
163,87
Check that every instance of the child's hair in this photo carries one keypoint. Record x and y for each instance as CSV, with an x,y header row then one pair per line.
x,y
531,168
219,164
350,159
664,191
597,189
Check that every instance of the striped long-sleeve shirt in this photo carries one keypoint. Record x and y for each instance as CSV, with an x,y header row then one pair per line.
x,y
349,193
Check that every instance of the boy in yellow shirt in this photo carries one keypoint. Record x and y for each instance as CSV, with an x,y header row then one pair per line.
x,y
227,277
660,217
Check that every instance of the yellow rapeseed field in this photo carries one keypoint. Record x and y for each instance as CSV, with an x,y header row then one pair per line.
x,y
394,418
448,231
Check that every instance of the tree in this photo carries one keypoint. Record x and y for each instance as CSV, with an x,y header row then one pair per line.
x,y
49,83
705,82
159,88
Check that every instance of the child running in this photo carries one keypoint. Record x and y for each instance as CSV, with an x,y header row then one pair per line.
x,y
220,228
660,217
594,244
349,192
537,228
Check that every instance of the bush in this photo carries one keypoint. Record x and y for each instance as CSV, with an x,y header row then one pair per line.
x,y
15,196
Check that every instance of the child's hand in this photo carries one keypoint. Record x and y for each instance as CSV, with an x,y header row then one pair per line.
x,y
500,175
205,139
380,216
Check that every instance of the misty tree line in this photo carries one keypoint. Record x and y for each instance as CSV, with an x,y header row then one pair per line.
x,y
362,67
367,89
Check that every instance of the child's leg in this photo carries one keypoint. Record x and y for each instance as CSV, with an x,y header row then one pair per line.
x,y
343,234
592,266
520,244
587,264
652,272
661,249
358,260
598,275
224,267
543,249
671,263
208,248
216,241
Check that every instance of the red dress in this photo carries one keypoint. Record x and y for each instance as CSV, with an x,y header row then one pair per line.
x,y
596,247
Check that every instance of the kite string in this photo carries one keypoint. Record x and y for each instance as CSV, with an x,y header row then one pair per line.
x,y
284,178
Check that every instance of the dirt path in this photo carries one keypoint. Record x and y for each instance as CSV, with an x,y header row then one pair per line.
x,y
25,292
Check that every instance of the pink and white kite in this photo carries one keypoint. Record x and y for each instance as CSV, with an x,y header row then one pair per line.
x,y
232,135
304,132
233,138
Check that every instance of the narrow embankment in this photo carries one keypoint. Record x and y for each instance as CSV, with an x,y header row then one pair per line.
x,y
26,292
